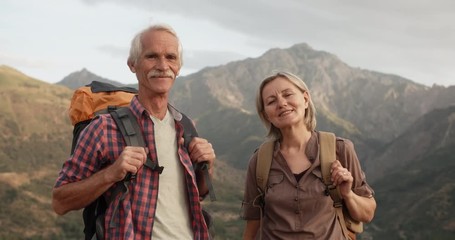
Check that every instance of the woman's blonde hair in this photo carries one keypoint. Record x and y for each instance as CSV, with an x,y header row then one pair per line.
x,y
310,113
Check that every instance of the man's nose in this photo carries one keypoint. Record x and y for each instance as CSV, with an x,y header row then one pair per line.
x,y
162,64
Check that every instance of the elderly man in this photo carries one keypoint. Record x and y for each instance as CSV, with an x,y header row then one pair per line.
x,y
158,205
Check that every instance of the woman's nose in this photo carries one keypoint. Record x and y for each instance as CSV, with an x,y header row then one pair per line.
x,y
282,102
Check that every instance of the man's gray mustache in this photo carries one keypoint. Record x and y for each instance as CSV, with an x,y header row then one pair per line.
x,y
161,74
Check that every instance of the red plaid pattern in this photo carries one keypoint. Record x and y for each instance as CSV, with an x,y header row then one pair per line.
x,y
99,145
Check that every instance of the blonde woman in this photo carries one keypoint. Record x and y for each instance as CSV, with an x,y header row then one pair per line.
x,y
296,205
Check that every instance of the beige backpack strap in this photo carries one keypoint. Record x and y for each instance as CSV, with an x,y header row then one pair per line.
x,y
327,154
327,144
263,163
265,155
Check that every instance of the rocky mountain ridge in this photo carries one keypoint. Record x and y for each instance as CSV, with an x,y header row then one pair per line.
x,y
401,130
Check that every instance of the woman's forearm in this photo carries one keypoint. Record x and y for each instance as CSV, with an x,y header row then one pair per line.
x,y
360,208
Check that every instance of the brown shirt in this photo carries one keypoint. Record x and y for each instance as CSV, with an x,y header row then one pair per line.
x,y
300,210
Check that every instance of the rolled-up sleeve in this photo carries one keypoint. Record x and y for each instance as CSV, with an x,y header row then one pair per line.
x,y
86,159
349,159
251,209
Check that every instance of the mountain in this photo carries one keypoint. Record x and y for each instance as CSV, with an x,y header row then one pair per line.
x,y
357,96
33,115
84,77
428,134
402,132
416,199
34,140
368,107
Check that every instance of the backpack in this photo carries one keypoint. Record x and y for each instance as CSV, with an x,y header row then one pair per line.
x,y
98,98
327,142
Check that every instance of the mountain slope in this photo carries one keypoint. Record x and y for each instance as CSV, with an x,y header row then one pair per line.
x,y
368,107
433,131
358,97
35,134
33,112
416,201
82,78
415,194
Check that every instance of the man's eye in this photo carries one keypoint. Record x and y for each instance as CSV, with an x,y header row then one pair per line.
x,y
171,57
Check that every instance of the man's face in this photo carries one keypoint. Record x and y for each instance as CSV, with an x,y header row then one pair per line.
x,y
159,63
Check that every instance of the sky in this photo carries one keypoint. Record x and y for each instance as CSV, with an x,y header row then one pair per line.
x,y
50,39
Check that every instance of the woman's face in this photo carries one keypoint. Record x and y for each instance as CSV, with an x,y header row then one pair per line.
x,y
284,103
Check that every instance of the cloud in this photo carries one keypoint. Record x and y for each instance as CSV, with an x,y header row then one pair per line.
x,y
296,19
411,38
114,51
198,59
25,62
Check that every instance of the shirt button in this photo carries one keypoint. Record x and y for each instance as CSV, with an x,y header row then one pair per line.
x,y
296,199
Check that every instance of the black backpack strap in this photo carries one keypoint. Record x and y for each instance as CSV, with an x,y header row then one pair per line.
x,y
189,132
128,126
131,131
77,131
132,134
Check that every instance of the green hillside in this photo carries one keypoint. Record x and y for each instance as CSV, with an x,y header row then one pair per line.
x,y
35,135
417,202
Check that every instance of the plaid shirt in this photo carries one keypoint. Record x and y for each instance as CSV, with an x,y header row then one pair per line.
x,y
100,144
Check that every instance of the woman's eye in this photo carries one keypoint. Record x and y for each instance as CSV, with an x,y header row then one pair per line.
x,y
270,102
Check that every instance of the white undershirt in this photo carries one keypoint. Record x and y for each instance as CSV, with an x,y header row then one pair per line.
x,y
172,218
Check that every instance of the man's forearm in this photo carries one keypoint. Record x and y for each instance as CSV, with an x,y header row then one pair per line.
x,y
77,195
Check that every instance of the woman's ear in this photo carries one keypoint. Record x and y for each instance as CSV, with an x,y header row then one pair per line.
x,y
306,96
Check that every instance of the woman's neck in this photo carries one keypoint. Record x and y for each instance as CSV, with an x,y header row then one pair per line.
x,y
295,138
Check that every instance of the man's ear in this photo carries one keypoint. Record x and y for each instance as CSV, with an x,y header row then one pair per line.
x,y
131,66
